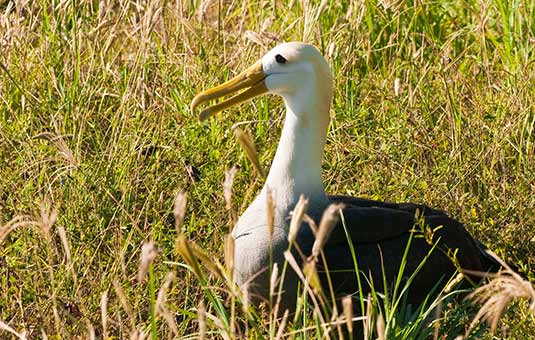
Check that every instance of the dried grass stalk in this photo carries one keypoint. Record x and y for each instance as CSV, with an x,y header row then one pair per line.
x,y
7,328
104,313
203,8
453,283
19,221
201,312
293,263
90,330
124,303
311,223
438,314
368,322
65,244
161,309
208,261
282,325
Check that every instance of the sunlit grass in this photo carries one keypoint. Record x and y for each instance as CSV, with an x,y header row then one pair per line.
x,y
433,103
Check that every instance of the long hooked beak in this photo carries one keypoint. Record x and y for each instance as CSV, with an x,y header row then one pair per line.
x,y
252,79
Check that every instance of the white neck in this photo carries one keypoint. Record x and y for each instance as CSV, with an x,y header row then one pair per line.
x,y
296,168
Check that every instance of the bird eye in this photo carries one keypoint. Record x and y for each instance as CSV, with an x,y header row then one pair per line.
x,y
280,59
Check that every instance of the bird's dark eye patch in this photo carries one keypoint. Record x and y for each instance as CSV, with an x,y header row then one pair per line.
x,y
280,59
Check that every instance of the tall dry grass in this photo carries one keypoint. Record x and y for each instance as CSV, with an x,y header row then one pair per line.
x,y
433,103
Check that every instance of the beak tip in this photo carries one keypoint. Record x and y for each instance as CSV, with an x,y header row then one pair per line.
x,y
194,103
204,115
252,79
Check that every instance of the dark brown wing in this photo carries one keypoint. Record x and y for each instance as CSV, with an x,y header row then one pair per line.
x,y
374,221
369,221
379,232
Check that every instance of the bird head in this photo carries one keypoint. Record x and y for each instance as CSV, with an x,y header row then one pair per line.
x,y
295,71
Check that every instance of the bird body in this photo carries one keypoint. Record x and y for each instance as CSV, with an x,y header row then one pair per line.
x,y
378,231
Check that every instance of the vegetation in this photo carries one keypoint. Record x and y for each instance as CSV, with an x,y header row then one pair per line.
x,y
433,104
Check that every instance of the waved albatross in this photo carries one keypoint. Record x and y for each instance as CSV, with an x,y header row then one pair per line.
x,y
379,231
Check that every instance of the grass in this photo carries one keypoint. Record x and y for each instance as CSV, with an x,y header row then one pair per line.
x,y
433,104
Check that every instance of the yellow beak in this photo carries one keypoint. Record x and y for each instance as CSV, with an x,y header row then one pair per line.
x,y
252,79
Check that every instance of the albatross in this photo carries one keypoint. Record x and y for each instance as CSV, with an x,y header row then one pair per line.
x,y
378,231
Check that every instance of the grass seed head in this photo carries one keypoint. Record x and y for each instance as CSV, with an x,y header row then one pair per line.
x,y
230,174
229,254
124,303
329,220
162,293
201,318
273,279
270,202
67,250
90,330
293,263
179,210
149,252
65,244
380,326
245,298
46,219
347,303
184,249
453,283
62,147
498,294
397,87
248,146
193,254
311,275
104,313
297,217
161,309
